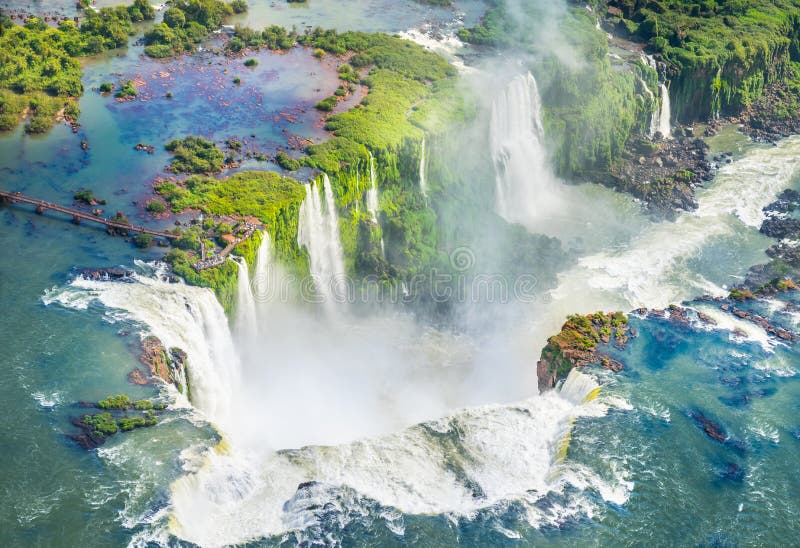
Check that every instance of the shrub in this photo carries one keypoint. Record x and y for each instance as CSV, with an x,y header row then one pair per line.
x,y
319,53
327,105
239,6
127,90
287,162
237,80
251,62
120,401
106,87
195,155
155,206
143,240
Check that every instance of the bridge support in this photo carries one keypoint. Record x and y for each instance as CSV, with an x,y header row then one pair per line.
x,y
76,220
40,209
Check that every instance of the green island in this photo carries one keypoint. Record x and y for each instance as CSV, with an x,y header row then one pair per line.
x,y
118,414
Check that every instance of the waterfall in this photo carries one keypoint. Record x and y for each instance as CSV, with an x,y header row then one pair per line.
x,y
665,114
423,183
372,191
246,324
372,197
318,232
263,288
658,110
523,181
181,316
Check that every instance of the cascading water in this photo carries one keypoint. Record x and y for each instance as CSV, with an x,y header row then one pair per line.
x,y
664,117
318,232
246,323
661,116
372,197
524,184
181,316
263,284
656,268
423,182
656,112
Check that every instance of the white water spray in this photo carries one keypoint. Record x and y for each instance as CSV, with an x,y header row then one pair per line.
x,y
318,232
524,185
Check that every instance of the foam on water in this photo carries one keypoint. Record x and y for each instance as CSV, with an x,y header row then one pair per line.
x,y
467,461
653,270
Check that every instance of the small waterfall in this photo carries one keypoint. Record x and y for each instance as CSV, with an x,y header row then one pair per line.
x,y
262,286
372,191
523,180
423,182
578,388
246,324
656,112
665,115
372,197
318,232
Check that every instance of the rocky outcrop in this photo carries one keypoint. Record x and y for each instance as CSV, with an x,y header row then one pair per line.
x,y
106,274
167,366
579,344
663,175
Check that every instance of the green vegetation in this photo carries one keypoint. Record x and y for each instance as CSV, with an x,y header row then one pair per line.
x,y
156,206
328,104
195,155
120,401
106,87
580,336
722,54
102,424
143,240
287,162
87,197
251,62
126,90
186,23
39,74
267,196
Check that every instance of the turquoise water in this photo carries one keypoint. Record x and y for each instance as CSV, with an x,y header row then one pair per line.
x,y
638,469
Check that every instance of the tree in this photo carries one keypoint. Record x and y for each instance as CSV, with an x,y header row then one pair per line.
x,y
143,240
174,18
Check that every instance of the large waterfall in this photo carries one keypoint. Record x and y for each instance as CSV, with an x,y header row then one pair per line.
x,y
524,183
318,232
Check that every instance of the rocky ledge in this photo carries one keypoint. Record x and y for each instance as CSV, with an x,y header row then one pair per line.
x,y
663,174
781,223
162,365
584,340
117,414
580,343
